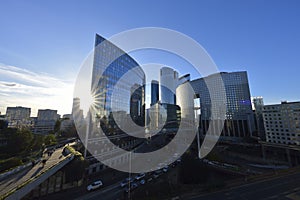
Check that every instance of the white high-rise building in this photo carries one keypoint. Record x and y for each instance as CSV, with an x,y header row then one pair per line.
x,y
185,99
168,83
46,121
18,117
282,123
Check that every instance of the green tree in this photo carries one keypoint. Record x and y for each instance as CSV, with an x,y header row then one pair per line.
x,y
57,125
50,139
69,132
3,124
37,142
20,140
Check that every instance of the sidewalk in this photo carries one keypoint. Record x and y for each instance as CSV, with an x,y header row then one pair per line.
x,y
21,178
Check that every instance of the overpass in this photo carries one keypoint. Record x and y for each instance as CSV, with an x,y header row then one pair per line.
x,y
19,185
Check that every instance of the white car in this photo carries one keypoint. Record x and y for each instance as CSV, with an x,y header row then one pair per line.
x,y
165,169
140,176
95,185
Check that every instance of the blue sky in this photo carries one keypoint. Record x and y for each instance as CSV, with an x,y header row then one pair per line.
x,y
48,40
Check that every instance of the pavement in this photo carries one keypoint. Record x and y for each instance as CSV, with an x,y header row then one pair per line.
x,y
15,180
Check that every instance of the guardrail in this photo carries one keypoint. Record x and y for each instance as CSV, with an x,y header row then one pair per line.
x,y
21,190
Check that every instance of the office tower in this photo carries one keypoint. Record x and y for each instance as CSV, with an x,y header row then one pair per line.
x,y
118,86
154,92
258,104
46,121
176,102
18,117
137,106
239,116
185,98
282,123
168,83
107,73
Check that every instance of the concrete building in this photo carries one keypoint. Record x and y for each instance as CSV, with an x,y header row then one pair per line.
x,y
67,122
18,117
168,83
76,111
239,121
46,121
282,123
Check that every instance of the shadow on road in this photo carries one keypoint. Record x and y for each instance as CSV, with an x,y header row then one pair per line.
x,y
37,171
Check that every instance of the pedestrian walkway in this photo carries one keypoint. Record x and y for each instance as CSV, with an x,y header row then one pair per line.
x,y
19,179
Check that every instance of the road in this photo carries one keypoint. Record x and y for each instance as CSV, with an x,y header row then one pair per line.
x,y
285,187
115,191
18,179
111,189
111,192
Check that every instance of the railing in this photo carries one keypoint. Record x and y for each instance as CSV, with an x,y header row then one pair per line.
x,y
23,189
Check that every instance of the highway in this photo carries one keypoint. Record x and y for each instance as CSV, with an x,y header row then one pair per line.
x,y
285,187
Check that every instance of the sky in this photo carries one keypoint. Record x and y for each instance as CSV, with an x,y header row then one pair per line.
x,y
43,43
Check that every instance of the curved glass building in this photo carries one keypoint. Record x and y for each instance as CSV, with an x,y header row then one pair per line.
x,y
118,91
116,77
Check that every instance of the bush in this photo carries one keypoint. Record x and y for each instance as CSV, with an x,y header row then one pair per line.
x,y
50,140
10,163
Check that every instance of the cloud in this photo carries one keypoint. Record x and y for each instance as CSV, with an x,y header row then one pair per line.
x,y
21,87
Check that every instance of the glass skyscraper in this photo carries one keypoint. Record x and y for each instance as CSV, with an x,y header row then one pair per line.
x,y
154,92
239,115
168,83
118,89
110,65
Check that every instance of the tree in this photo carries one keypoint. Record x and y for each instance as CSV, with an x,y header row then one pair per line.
x,y
57,126
37,142
20,140
3,124
69,132
50,139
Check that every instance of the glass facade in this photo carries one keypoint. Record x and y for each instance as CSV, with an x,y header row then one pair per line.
x,y
239,115
118,86
110,65
168,84
154,92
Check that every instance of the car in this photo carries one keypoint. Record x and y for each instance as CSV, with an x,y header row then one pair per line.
x,y
140,176
129,179
132,187
156,175
123,183
165,169
94,185
126,182
149,179
142,182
